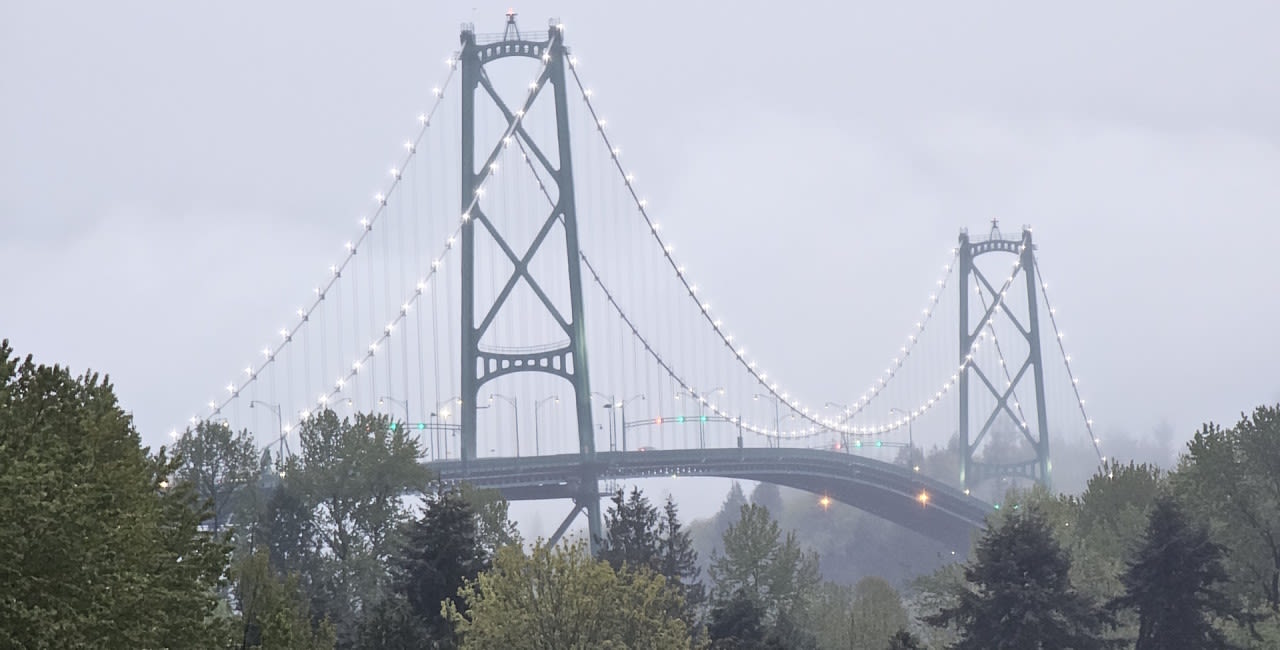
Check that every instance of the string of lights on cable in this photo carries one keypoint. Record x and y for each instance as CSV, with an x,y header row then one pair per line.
x,y
1066,360
691,289
485,173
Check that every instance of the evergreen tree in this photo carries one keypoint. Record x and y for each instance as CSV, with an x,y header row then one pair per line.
x,y
1020,596
771,569
736,622
631,533
442,552
678,562
1173,583
904,640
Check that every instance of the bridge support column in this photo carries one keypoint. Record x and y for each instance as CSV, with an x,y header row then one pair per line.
x,y
483,360
1037,468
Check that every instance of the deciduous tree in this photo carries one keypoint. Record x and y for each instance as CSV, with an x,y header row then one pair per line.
x,y
562,599
100,545
220,463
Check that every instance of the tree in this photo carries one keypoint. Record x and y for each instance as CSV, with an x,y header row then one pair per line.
x,y
220,463
100,547
1227,477
770,568
875,613
442,552
495,529
862,618
563,599
1020,595
354,473
1173,582
274,611
904,640
736,622
631,532
1107,522
678,562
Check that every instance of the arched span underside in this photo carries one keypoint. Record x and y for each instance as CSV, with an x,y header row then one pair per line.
x,y
888,491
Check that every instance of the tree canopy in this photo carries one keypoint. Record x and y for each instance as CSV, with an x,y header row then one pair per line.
x,y
100,546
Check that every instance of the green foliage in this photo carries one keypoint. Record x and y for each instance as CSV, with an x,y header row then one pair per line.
x,y
442,551
736,621
768,567
1228,478
562,599
352,477
1108,522
904,640
862,618
1020,594
494,526
220,463
1172,583
98,549
639,536
274,611
631,532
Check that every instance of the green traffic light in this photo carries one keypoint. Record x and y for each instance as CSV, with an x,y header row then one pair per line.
x,y
680,419
704,418
879,443
393,426
422,425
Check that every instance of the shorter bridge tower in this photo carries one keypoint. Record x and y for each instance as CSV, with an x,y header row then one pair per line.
x,y
1029,371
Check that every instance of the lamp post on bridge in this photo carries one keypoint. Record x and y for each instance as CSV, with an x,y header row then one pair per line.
x,y
911,443
622,408
609,400
275,408
442,412
777,421
844,437
402,402
702,416
515,406
537,451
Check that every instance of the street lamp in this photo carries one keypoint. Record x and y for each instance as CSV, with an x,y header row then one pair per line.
x,y
777,420
609,400
844,436
516,407
402,402
275,408
442,412
911,444
537,450
702,412
622,408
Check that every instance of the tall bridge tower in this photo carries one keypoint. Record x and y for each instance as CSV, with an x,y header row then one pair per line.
x,y
1035,432
482,362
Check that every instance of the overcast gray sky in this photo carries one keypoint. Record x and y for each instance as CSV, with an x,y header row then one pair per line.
x,y
171,172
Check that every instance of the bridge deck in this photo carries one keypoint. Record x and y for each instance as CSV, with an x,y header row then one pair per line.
x,y
889,491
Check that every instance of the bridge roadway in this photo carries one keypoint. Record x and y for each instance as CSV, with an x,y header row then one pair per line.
x,y
889,491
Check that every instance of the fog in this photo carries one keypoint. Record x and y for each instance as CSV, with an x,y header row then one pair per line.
x,y
174,176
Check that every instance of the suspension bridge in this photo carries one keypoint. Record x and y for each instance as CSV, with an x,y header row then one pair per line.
x,y
511,298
